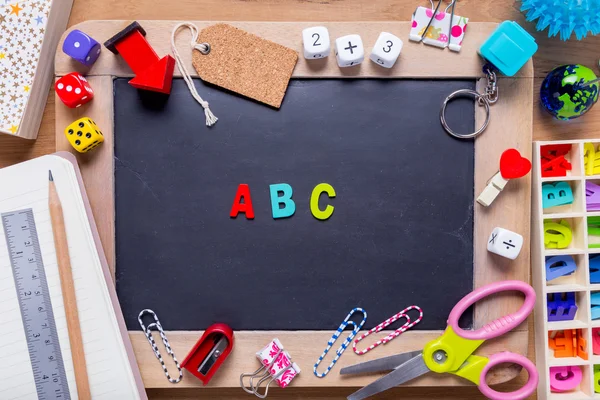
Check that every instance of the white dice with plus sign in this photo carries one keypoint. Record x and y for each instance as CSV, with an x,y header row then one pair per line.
x,y
505,243
316,42
349,50
386,50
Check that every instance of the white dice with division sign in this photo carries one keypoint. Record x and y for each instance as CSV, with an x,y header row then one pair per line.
x,y
349,50
316,42
386,50
505,243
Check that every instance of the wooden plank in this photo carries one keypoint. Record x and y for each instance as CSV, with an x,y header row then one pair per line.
x,y
552,51
303,348
97,167
416,60
512,124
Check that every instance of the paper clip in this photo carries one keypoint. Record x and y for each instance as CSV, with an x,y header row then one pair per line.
x,y
276,363
148,332
344,345
407,325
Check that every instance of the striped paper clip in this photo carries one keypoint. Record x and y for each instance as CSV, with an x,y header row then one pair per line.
x,y
276,364
407,325
344,345
148,332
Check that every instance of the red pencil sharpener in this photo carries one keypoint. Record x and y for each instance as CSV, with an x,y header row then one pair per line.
x,y
209,352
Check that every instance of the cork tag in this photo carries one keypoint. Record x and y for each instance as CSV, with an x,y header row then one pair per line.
x,y
245,63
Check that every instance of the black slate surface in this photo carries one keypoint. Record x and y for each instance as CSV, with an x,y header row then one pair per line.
x,y
401,232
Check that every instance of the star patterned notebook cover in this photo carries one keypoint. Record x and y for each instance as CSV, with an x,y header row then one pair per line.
x,y
22,29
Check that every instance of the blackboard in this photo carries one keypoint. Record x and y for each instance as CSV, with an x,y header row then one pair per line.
x,y
401,232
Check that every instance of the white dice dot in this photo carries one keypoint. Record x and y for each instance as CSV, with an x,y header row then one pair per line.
x,y
77,91
87,58
98,51
76,44
316,42
69,88
84,97
349,50
505,243
386,50
60,86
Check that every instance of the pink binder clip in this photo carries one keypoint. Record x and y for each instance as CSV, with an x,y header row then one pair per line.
x,y
276,366
407,325
438,28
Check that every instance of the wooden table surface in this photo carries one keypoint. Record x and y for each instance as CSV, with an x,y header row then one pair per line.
x,y
552,52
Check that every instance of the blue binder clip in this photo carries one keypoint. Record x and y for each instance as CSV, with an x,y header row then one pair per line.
x,y
558,266
561,306
508,48
595,268
595,305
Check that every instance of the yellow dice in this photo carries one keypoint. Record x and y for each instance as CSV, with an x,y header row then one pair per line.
x,y
84,135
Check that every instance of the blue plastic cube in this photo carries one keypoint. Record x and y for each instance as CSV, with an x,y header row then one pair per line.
x,y
508,48
81,47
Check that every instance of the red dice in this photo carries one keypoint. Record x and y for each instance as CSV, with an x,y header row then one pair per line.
x,y
74,90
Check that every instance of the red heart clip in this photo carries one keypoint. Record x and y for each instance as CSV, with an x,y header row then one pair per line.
x,y
512,165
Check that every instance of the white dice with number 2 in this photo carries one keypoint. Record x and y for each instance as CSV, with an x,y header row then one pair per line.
x,y
349,50
505,243
316,42
386,50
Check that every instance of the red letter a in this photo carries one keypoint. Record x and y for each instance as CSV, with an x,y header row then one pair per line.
x,y
243,193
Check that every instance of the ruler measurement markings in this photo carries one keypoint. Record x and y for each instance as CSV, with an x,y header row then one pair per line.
x,y
35,305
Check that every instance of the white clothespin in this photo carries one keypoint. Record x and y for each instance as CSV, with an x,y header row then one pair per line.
x,y
492,190
512,166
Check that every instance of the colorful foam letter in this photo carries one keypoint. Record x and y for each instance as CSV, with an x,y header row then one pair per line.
x,y
243,193
595,268
557,194
596,341
565,378
557,235
564,343
595,305
289,207
558,266
314,201
561,306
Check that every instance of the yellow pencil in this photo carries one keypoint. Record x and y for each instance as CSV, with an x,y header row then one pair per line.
x,y
68,292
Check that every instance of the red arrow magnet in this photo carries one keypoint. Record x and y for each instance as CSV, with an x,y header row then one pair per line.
x,y
151,72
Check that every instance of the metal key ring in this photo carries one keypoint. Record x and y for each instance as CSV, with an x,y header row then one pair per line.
x,y
481,99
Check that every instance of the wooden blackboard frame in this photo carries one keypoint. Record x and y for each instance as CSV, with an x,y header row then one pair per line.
x,y
511,126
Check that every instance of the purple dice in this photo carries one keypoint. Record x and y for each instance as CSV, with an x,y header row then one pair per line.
x,y
81,47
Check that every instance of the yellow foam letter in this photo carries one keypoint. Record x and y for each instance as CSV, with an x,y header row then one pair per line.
x,y
314,201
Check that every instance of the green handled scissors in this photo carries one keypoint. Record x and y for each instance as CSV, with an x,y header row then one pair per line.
x,y
453,351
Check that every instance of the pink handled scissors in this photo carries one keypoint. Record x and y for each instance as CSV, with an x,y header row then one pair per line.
x,y
453,351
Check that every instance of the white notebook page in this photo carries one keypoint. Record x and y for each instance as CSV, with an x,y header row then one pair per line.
x,y
110,376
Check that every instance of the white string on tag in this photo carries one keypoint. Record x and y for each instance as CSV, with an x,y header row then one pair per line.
x,y
203,48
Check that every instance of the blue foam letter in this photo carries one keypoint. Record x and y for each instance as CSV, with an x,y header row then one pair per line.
x,y
289,207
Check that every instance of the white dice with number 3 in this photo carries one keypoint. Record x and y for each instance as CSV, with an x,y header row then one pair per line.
x,y
349,50
505,243
386,50
316,42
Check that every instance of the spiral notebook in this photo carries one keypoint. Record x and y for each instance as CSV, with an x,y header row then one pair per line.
x,y
112,369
